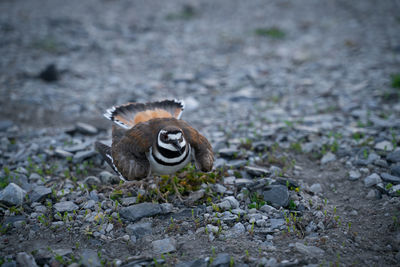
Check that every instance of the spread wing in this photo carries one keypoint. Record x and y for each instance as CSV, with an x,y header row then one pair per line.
x,y
203,153
129,151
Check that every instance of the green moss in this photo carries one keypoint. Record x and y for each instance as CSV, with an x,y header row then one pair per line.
x,y
396,80
272,32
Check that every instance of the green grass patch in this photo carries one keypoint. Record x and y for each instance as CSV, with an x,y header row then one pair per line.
x,y
272,32
187,12
396,80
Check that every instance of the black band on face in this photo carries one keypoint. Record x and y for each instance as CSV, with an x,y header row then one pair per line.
x,y
169,153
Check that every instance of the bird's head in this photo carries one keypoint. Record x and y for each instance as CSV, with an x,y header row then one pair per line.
x,y
172,138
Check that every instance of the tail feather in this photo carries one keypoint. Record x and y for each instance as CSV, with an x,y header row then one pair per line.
x,y
130,114
105,152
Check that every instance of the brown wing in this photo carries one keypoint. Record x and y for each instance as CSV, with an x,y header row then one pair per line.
x,y
129,151
203,153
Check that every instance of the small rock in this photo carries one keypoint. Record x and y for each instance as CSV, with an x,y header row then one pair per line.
x,y
328,157
195,196
127,201
394,156
89,204
219,188
85,128
34,177
108,178
372,179
25,259
92,181
316,188
277,195
257,171
138,211
82,155
193,263
212,228
224,205
62,153
384,145
276,223
139,229
12,195
238,229
354,175
163,246
90,258
373,194
311,251
5,124
39,193
233,202
65,206
228,152
166,208
395,170
390,178
50,73
222,260
109,227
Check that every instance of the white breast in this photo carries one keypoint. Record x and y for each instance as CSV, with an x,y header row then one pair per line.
x,y
157,168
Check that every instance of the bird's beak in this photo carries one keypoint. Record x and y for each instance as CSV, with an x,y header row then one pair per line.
x,y
178,147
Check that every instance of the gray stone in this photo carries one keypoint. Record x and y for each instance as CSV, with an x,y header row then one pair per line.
x,y
9,264
82,155
354,175
193,263
39,193
372,179
108,178
228,152
127,201
25,259
316,188
237,163
390,178
394,156
233,202
224,205
277,195
257,171
163,246
5,124
238,229
373,194
384,145
222,260
311,251
243,182
219,188
395,170
89,204
62,153
78,147
276,223
12,195
90,258
195,196
138,211
34,177
166,208
85,128
65,206
92,181
139,229
328,157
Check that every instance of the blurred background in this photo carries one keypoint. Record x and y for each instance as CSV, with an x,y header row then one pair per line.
x,y
63,61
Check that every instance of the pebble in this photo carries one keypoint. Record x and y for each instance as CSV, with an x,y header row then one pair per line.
x,y
372,194
82,155
108,178
139,229
311,251
39,193
233,202
257,171
390,178
90,258
65,206
328,157
222,259
138,211
384,145
25,259
85,128
395,170
92,181
127,201
277,195
354,175
164,246
372,179
394,156
316,188
276,223
12,195
237,229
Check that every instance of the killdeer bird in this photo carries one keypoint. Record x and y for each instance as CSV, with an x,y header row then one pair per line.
x,y
152,139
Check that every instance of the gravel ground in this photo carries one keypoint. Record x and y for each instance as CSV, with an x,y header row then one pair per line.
x,y
300,100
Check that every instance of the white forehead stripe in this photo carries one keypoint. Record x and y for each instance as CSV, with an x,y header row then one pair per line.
x,y
174,136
